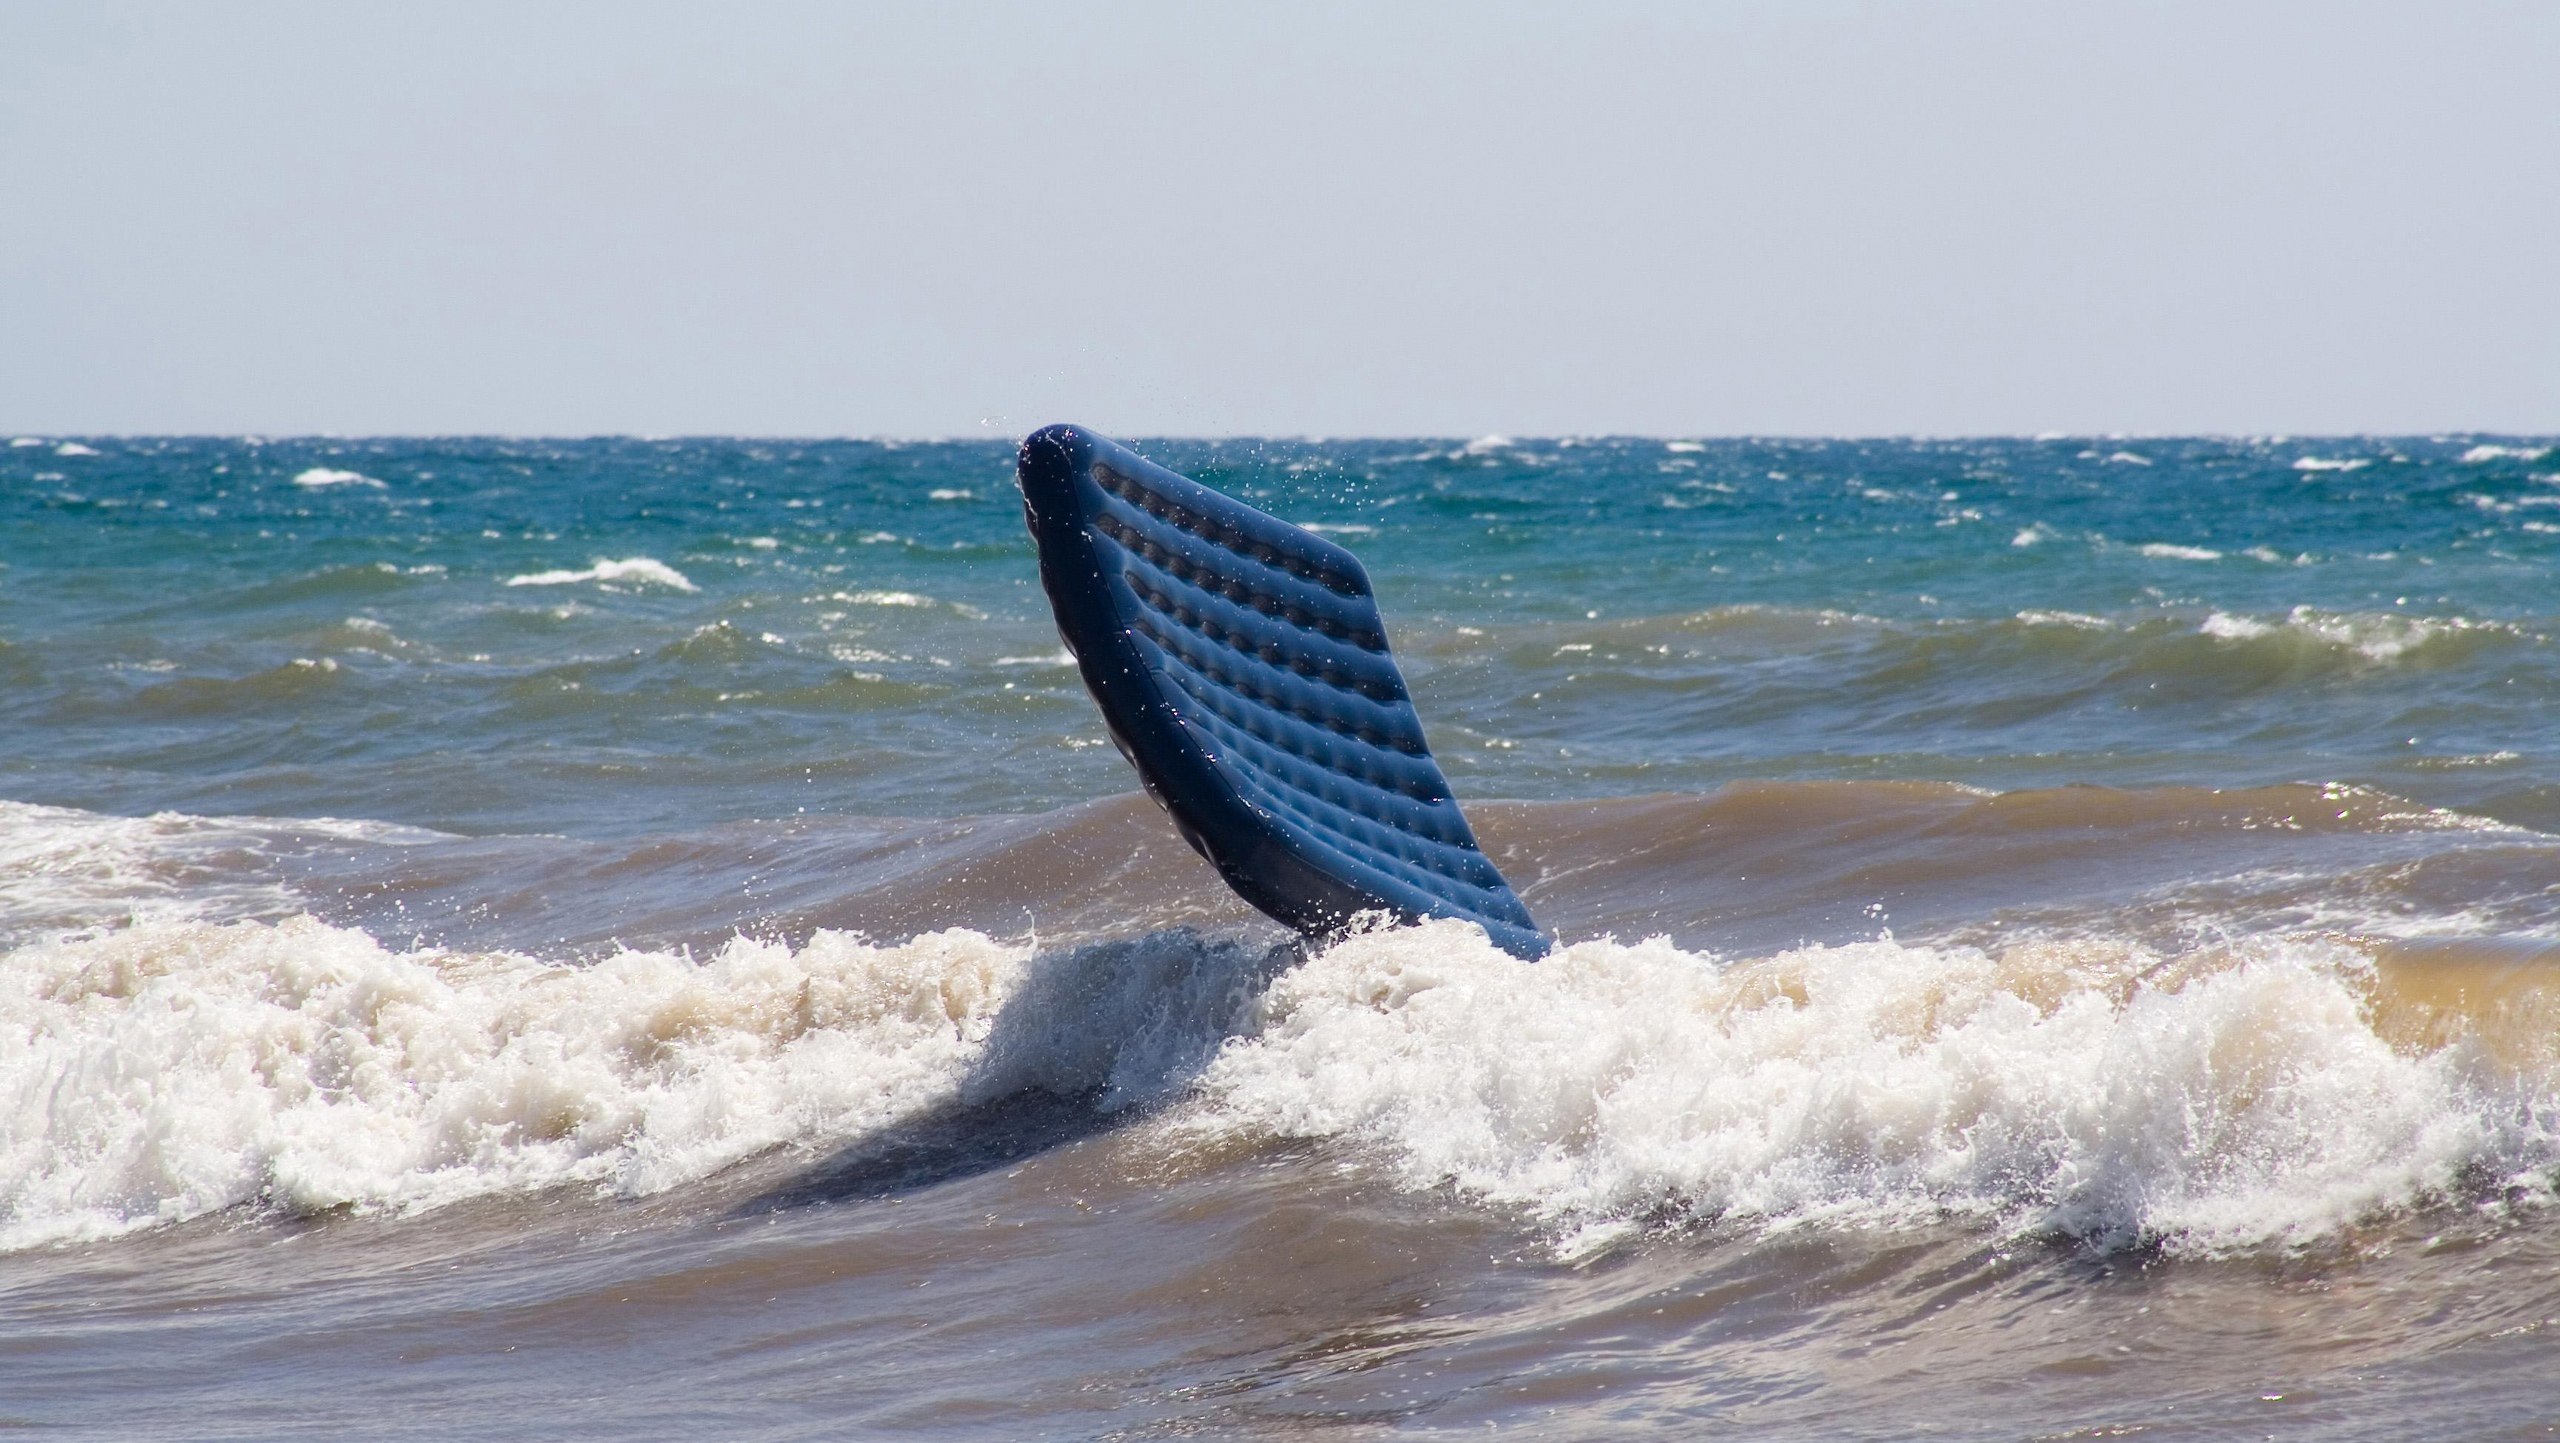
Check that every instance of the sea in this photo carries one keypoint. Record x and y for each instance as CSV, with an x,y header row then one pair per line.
x,y
619,938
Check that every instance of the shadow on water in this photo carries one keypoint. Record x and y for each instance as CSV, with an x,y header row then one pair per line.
x,y
1096,1037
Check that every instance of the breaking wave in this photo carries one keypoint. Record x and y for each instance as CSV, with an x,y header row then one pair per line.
x,y
2271,1093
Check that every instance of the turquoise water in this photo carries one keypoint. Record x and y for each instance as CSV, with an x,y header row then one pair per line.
x,y
609,938
852,627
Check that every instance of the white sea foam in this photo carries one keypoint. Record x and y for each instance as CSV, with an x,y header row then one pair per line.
x,y
950,493
73,448
2223,626
2169,551
2227,1099
2239,1104
65,870
2034,535
171,1071
2324,463
2128,458
1338,528
320,476
18,442
2479,454
2373,636
1684,446
1487,445
633,569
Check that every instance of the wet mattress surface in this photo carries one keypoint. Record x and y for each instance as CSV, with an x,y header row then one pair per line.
x,y
1242,667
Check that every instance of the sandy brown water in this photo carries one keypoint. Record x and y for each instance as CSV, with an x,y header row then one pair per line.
x,y
1083,1238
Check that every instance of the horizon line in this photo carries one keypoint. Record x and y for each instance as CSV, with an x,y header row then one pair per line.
x,y
1492,439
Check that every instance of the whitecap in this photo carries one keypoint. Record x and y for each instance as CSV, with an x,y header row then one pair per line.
x,y
18,442
1338,528
66,869
2479,454
642,569
2230,1099
2169,551
319,476
1487,445
73,448
950,493
2322,463
2223,626
2379,637
2128,458
881,598
180,1069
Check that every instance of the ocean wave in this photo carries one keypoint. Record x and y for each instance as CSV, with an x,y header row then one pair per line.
x,y
905,600
2228,1099
636,569
2378,637
2149,641
172,1070
66,870
296,682
318,477
2237,1097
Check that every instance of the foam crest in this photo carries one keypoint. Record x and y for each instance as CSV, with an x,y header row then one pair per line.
x,y
167,1071
62,869
2227,1100
317,477
2371,636
170,1070
644,569
2233,1098
2484,453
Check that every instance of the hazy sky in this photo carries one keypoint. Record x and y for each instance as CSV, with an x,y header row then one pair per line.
x,y
926,220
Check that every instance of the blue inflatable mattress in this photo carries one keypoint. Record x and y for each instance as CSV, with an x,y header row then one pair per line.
x,y
1242,667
